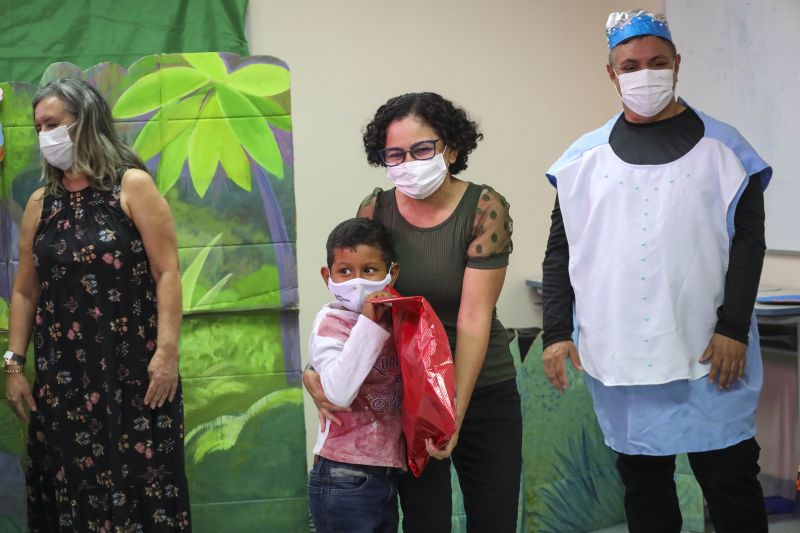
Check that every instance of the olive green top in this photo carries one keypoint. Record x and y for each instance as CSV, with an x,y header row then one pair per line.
x,y
432,261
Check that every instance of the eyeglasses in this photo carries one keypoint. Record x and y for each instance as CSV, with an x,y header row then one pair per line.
x,y
420,150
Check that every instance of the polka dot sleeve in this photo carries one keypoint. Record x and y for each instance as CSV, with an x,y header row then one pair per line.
x,y
367,207
491,244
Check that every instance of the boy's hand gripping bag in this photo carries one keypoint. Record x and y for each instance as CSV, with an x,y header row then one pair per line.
x,y
426,366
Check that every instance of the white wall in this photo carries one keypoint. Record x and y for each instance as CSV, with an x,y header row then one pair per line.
x,y
781,270
531,72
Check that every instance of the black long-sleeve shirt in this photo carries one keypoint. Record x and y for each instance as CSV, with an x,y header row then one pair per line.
x,y
652,144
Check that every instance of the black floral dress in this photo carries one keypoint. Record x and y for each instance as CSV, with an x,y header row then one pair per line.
x,y
101,460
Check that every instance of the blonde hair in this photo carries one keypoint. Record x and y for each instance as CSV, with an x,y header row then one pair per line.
x,y
98,151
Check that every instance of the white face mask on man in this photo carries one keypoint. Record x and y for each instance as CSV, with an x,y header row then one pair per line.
x,y
57,147
351,293
419,179
647,92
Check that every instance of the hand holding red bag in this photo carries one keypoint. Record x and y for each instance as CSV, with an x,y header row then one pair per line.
x,y
426,366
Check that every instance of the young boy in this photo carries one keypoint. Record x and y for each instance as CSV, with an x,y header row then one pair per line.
x,y
353,484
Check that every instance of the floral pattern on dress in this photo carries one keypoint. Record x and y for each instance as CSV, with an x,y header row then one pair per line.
x,y
101,460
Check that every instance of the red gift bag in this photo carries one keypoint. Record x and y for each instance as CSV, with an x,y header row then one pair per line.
x,y
426,366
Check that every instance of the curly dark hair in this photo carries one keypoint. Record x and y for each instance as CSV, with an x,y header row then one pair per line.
x,y
356,231
449,121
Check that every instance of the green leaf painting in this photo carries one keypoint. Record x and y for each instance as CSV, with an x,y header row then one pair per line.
x,y
260,80
157,89
221,433
254,134
148,142
209,64
172,160
232,157
190,275
230,112
203,147
3,314
569,480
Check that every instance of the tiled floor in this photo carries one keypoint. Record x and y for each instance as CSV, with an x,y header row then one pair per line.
x,y
777,524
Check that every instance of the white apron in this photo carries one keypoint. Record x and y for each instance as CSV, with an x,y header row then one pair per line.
x,y
649,248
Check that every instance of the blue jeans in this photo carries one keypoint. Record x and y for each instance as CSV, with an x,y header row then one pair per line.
x,y
351,498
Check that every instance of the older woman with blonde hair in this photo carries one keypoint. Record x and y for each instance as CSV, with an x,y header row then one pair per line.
x,y
98,286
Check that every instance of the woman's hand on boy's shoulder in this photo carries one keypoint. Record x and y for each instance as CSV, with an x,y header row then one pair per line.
x,y
376,312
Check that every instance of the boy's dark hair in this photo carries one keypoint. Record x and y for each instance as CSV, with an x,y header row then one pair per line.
x,y
356,231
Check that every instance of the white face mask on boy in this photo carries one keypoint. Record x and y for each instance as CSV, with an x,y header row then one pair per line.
x,y
419,179
647,92
351,293
57,147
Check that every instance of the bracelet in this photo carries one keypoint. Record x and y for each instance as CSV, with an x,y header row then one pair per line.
x,y
13,369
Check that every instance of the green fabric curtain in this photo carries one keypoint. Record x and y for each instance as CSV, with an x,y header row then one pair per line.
x,y
36,33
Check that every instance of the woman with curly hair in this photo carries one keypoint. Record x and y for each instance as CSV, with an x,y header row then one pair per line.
x,y
453,239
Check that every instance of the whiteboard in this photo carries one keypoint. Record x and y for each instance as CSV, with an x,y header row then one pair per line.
x,y
740,63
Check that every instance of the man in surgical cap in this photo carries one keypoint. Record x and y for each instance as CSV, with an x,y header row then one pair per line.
x,y
656,245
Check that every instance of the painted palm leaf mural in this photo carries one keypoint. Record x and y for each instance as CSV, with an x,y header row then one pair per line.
x,y
215,132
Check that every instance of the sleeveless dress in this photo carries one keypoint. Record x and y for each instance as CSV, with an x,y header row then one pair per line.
x,y
101,460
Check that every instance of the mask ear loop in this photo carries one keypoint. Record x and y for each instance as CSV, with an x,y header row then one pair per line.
x,y
446,164
69,132
617,89
674,80
394,277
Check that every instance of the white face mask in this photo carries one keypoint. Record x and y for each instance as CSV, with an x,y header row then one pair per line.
x,y
419,179
351,293
56,147
646,92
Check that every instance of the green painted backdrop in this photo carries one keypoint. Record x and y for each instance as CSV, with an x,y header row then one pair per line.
x,y
215,131
569,480
37,33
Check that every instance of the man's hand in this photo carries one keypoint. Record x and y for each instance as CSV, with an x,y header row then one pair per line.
x,y
313,384
554,367
727,358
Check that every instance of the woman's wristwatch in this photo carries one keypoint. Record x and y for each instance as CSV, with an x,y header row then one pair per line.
x,y
13,363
